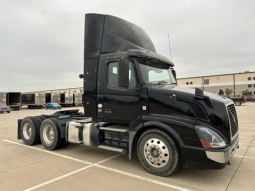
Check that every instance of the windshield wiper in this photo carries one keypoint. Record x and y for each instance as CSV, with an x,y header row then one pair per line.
x,y
162,82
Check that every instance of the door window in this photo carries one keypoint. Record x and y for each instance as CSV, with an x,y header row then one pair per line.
x,y
113,75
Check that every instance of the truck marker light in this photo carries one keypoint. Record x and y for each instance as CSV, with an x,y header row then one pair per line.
x,y
206,144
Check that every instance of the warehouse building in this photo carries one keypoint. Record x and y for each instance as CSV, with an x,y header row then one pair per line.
x,y
238,82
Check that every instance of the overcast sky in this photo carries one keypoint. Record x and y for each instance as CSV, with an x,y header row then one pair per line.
x,y
41,41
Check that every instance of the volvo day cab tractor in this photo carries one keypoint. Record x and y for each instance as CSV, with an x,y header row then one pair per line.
x,y
133,104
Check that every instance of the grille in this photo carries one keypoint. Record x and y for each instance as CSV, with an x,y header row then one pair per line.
x,y
232,119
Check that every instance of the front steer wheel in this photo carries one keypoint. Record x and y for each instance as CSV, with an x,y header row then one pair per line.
x,y
158,153
29,130
50,134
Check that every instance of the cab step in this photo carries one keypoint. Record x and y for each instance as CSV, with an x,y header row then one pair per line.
x,y
112,148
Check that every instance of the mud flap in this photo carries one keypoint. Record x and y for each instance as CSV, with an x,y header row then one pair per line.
x,y
19,125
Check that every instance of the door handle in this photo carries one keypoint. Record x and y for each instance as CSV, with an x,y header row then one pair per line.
x,y
108,111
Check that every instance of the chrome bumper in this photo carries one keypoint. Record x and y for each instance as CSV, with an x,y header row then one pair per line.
x,y
225,155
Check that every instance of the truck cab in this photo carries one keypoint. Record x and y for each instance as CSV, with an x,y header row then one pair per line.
x,y
132,103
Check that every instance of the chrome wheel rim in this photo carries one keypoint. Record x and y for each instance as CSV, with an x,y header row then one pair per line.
x,y
27,131
48,134
156,152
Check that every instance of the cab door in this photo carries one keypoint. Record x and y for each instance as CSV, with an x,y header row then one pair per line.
x,y
119,105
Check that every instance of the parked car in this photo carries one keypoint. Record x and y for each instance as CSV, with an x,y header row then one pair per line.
x,y
4,108
250,98
52,106
237,100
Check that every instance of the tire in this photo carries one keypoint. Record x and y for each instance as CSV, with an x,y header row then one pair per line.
x,y
50,134
158,153
30,130
237,103
8,111
42,118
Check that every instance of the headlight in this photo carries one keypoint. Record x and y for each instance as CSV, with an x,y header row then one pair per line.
x,y
209,138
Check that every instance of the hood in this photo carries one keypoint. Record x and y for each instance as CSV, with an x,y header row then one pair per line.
x,y
177,101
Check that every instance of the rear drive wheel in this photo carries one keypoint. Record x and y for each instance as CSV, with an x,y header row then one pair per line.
x,y
237,103
41,117
30,129
50,134
158,153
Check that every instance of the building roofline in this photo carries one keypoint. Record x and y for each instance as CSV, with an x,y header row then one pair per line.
x,y
216,75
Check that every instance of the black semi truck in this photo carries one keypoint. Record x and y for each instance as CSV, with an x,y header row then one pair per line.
x,y
133,104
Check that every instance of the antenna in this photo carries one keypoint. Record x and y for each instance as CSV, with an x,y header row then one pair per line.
x,y
169,47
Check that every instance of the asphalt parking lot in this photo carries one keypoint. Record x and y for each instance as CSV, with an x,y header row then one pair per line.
x,y
78,167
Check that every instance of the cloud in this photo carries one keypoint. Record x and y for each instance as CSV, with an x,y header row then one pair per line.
x,y
41,42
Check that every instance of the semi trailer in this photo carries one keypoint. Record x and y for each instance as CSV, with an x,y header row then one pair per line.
x,y
47,97
12,99
32,100
66,100
132,104
55,97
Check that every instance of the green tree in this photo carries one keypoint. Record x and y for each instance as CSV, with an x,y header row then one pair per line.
x,y
246,92
228,91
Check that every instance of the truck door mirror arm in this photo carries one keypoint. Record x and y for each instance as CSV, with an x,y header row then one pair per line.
x,y
139,86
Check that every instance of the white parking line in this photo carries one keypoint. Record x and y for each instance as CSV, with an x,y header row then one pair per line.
x,y
244,157
50,152
69,174
96,165
142,178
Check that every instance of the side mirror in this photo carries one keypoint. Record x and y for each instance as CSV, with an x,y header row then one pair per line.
x,y
174,73
81,76
123,73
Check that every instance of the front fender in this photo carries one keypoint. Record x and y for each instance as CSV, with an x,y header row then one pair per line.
x,y
145,124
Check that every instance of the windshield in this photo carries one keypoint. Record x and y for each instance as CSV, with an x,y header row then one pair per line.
x,y
54,104
155,72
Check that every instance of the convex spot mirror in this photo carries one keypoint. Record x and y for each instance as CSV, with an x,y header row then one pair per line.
x,y
123,72
81,76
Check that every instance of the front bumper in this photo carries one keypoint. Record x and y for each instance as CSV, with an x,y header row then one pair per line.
x,y
200,158
5,110
225,155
